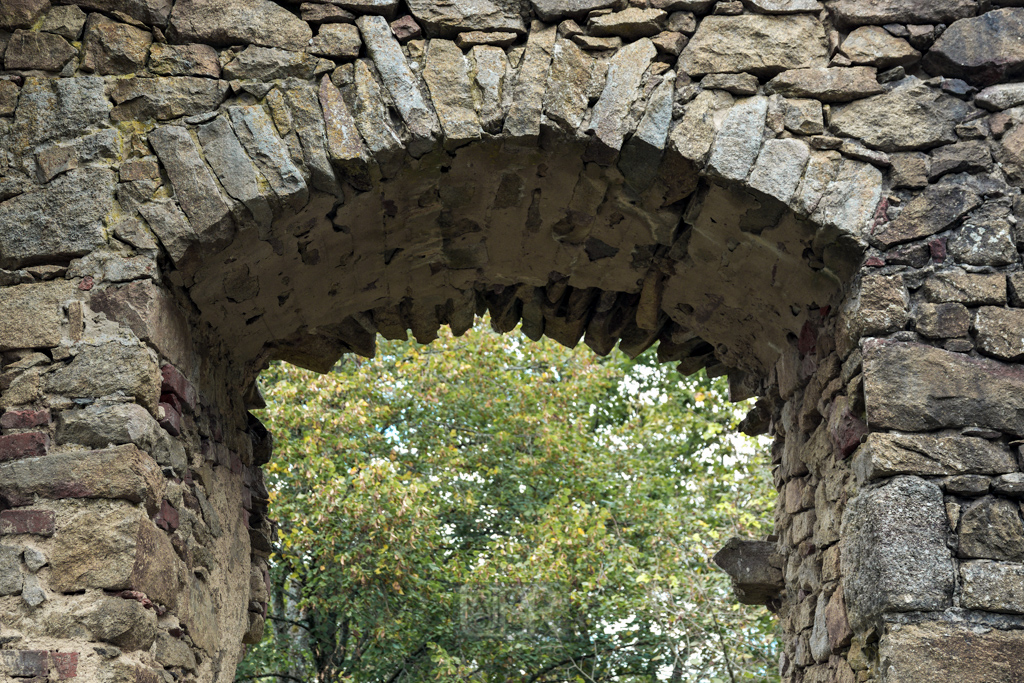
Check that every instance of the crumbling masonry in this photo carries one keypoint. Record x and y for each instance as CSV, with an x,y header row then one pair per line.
x,y
821,200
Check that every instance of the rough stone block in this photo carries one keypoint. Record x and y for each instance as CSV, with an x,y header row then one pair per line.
x,y
36,522
122,423
96,548
1000,332
222,23
107,369
885,455
61,221
152,315
122,621
993,586
913,387
942,321
24,445
970,289
943,651
991,528
894,553
758,44
123,473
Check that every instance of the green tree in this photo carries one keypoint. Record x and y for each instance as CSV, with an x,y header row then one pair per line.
x,y
492,509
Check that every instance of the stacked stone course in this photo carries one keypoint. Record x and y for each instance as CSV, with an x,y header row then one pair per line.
x,y
819,199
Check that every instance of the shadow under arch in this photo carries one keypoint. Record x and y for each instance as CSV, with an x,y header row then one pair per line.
x,y
715,269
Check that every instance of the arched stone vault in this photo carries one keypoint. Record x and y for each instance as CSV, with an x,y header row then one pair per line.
x,y
780,190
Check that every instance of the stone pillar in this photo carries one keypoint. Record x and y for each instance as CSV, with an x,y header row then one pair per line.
x,y
133,536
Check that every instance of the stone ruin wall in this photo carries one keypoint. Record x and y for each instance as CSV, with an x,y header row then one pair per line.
x,y
820,200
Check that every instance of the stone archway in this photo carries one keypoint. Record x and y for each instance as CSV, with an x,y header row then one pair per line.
x,y
189,192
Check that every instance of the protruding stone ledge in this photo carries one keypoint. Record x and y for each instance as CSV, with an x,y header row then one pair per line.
x,y
755,569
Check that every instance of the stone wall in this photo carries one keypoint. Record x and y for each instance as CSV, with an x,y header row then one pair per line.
x,y
820,200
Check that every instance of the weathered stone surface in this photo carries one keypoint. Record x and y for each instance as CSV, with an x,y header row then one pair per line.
x,y
107,369
61,220
1009,152
755,579
8,97
138,99
11,580
693,136
630,24
885,455
804,116
124,473
878,307
21,13
992,529
911,116
874,46
970,157
170,226
942,321
257,134
122,423
372,119
566,94
919,388
194,186
779,168
336,41
267,64
446,20
598,43
31,315
985,238
893,550
936,209
522,121
833,84
151,12
315,13
784,6
490,66
739,139
385,8
32,50
150,312
344,145
174,652
952,651
123,622
858,12
57,109
236,171
400,82
184,60
553,11
737,84
96,549
112,48
66,22
970,289
759,44
981,50
1000,97
993,586
308,121
469,39
447,77
609,120
222,23
850,200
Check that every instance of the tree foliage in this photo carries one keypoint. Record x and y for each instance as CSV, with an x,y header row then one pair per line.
x,y
496,510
